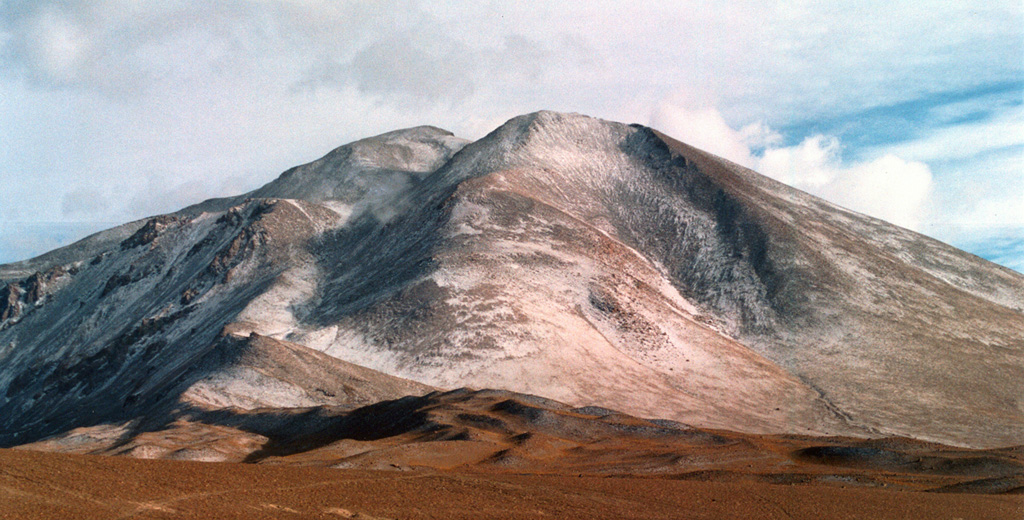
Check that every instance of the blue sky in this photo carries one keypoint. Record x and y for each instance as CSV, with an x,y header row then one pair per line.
x,y
113,110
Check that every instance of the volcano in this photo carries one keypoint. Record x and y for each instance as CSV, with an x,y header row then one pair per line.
x,y
591,263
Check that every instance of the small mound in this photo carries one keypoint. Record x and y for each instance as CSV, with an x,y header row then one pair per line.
x,y
935,463
484,422
594,411
987,486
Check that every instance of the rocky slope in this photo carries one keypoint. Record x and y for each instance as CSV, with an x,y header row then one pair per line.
x,y
586,261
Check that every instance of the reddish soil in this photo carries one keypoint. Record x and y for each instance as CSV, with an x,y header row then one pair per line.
x,y
46,485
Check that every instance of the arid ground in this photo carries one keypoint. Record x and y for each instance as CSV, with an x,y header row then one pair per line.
x,y
40,485
493,454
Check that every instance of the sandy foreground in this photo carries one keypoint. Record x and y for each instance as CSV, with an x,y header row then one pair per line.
x,y
48,485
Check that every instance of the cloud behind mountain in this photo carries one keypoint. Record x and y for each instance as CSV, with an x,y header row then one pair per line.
x,y
129,98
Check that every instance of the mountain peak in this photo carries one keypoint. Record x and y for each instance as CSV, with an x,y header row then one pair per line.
x,y
584,260
416,149
549,127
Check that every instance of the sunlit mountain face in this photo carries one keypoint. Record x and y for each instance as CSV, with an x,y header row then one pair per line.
x,y
591,263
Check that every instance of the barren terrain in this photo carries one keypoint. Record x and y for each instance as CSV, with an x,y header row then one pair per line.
x,y
489,454
36,485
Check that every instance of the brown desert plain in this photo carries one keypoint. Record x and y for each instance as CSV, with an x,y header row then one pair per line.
x,y
57,486
495,454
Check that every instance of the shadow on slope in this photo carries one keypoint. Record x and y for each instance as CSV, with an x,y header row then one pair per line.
x,y
500,431
493,430
458,415
118,384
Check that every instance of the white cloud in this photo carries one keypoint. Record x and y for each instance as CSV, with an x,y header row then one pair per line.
x,y
979,171
966,140
889,188
706,129
162,195
59,47
759,136
811,165
978,197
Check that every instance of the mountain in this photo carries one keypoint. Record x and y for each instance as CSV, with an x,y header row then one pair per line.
x,y
586,261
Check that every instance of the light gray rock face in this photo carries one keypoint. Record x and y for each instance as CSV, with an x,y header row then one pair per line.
x,y
582,260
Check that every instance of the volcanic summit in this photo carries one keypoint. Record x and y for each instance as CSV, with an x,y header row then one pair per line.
x,y
591,263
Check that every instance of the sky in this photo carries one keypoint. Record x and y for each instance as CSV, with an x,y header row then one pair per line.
x,y
114,110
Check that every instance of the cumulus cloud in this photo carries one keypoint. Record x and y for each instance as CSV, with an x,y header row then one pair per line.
x,y
889,188
978,168
811,165
704,128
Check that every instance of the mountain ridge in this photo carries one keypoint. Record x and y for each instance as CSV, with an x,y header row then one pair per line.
x,y
582,260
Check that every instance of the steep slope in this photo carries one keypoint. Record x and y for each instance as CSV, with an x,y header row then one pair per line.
x,y
258,372
894,327
129,332
88,247
578,259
